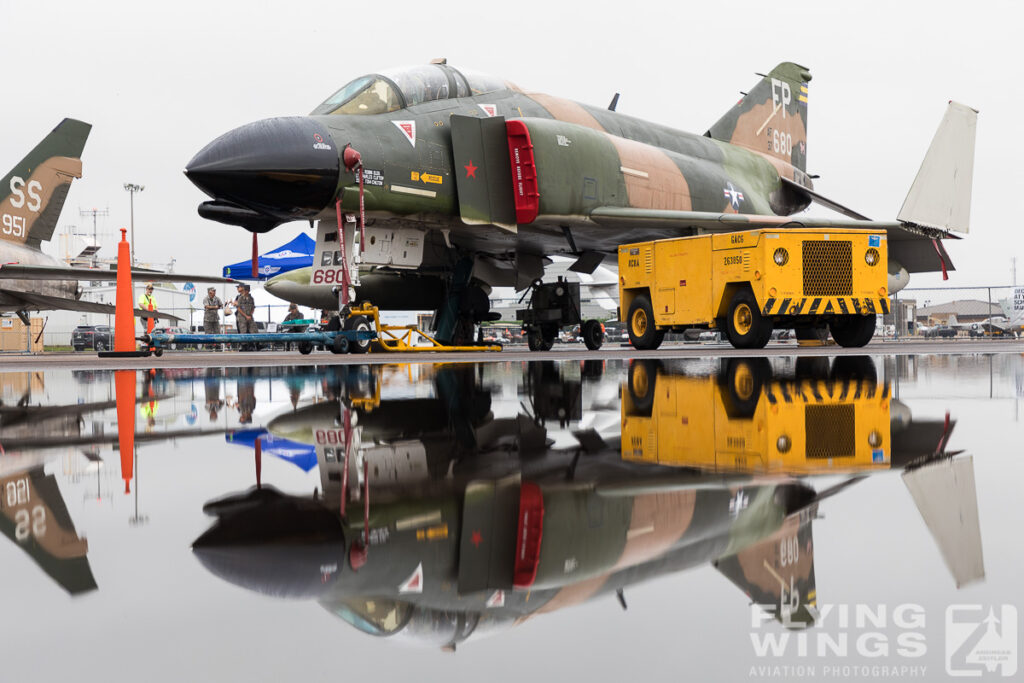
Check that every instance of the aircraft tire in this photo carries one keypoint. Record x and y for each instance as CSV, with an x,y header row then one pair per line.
x,y
593,337
745,327
853,330
643,334
359,323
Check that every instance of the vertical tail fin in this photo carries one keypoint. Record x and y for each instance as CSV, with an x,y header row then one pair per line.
x,y
772,117
33,193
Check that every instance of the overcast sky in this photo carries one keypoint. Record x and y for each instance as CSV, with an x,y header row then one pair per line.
x,y
159,81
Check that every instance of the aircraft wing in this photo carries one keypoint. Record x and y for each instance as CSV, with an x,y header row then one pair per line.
x,y
42,302
20,272
919,250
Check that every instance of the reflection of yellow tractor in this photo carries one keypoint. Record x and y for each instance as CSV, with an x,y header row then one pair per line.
x,y
748,283
744,418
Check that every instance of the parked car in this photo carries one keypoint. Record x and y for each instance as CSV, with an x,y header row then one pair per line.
x,y
98,337
174,330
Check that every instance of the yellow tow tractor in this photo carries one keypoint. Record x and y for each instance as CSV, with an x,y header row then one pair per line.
x,y
748,283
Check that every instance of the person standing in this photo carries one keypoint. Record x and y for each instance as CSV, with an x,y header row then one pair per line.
x,y
293,314
245,307
147,302
211,311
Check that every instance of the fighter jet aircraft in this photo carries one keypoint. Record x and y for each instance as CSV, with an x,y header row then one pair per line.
x,y
520,527
474,180
35,192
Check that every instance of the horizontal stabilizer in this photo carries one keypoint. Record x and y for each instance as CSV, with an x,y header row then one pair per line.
x,y
813,196
948,501
20,272
941,194
41,302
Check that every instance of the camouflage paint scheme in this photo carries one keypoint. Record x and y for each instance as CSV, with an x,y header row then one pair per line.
x,y
32,195
441,563
603,178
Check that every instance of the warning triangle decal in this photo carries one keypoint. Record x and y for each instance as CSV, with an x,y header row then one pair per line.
x,y
488,109
497,599
414,584
408,129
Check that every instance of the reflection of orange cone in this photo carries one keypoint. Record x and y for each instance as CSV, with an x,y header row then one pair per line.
x,y
124,392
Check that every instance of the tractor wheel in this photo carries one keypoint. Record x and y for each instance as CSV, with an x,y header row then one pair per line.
x,y
643,334
745,327
593,336
853,330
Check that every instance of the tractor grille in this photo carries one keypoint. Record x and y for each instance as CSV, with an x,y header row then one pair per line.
x,y
830,431
828,268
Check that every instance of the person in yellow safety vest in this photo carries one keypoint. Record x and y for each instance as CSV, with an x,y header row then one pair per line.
x,y
147,302
148,411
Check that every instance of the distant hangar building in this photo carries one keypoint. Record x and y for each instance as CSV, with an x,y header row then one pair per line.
x,y
965,311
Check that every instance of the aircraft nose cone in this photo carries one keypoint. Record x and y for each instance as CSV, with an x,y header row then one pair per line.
x,y
284,167
273,544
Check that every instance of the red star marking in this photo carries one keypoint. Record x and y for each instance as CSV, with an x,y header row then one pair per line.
x,y
476,539
471,169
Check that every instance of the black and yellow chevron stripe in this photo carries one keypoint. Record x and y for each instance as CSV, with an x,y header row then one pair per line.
x,y
825,305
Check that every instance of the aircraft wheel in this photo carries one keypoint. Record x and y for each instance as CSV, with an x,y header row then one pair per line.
x,y
745,327
593,336
853,330
158,352
643,377
340,344
642,332
305,347
359,323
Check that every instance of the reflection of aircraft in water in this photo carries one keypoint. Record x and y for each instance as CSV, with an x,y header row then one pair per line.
x,y
485,535
34,517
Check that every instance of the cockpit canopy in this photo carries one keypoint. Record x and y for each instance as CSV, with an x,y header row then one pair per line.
x,y
402,87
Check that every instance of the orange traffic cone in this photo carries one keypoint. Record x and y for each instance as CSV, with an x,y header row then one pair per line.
x,y
124,393
124,306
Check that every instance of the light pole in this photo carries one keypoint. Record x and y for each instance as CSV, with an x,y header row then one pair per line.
x,y
132,188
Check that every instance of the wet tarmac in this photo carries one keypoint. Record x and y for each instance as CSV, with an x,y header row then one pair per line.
x,y
690,514
205,359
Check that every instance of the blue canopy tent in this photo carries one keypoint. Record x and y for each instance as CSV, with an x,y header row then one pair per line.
x,y
301,455
296,254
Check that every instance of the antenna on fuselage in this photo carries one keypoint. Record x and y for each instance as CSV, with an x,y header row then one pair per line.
x,y
614,103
